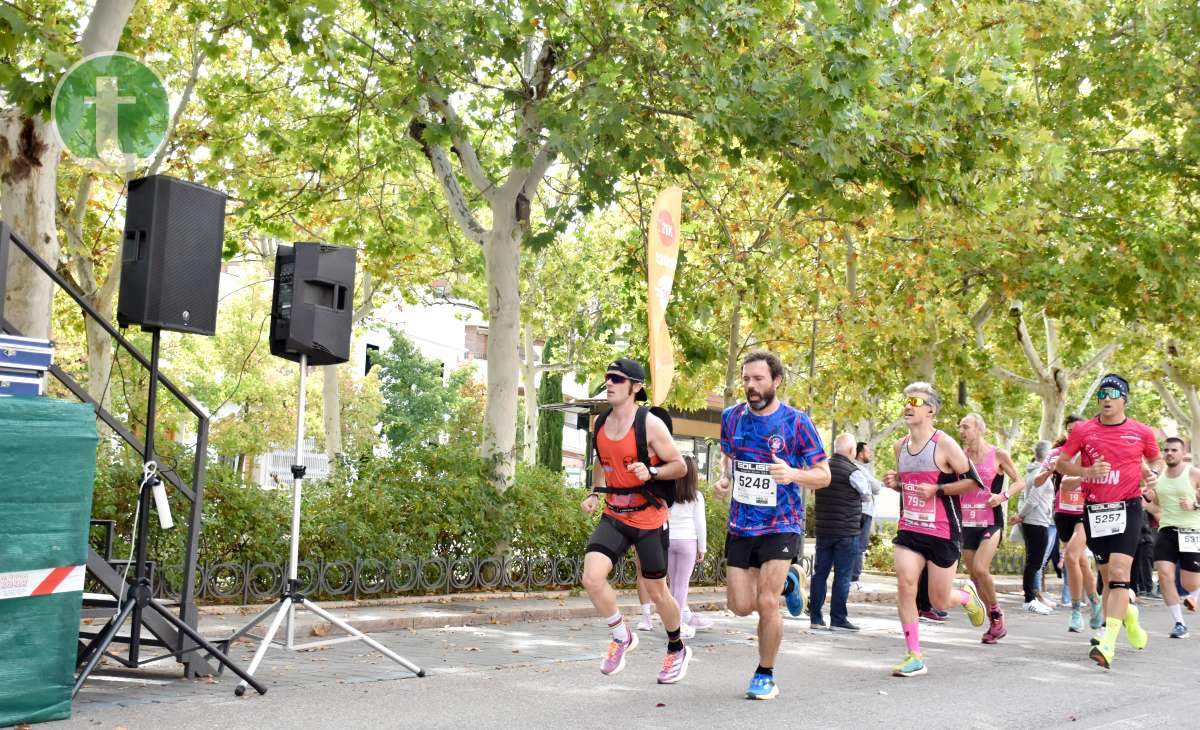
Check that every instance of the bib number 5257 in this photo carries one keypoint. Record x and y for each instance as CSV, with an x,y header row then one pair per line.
x,y
1106,519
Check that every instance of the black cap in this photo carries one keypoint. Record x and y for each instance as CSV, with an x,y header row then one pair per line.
x,y
633,370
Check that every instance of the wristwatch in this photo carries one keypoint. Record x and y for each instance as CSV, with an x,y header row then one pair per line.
x,y
653,472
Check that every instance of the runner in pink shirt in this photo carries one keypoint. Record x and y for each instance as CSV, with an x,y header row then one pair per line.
x,y
1113,451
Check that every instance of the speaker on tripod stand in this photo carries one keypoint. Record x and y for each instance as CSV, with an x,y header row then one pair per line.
x,y
311,318
170,272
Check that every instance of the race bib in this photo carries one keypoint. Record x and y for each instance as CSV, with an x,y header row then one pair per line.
x,y
1106,519
1071,501
977,517
916,508
1189,540
753,485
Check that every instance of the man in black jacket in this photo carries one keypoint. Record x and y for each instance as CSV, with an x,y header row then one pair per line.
x,y
838,517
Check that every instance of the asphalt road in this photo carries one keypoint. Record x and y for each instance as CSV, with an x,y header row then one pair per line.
x,y
546,675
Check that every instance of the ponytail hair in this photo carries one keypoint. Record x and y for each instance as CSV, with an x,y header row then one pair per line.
x,y
685,486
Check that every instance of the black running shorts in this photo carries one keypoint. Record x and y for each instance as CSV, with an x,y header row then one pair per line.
x,y
973,537
941,552
1125,542
751,551
1166,548
613,538
1064,523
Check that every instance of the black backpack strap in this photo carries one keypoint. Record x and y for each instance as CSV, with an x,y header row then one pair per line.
x,y
639,435
596,431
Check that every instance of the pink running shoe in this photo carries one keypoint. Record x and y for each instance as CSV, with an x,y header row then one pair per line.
x,y
614,660
996,631
675,666
700,623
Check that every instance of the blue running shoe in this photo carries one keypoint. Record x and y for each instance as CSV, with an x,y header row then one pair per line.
x,y
793,592
912,666
1179,632
762,687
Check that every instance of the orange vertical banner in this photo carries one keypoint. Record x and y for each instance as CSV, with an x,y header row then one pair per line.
x,y
661,259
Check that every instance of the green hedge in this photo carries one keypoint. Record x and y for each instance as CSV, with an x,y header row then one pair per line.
x,y
432,501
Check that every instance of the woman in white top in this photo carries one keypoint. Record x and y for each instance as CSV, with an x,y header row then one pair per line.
x,y
689,532
689,535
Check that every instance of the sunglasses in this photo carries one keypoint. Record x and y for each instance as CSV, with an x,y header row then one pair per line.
x,y
917,401
1109,394
617,379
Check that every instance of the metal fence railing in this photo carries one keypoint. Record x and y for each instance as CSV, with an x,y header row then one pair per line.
x,y
249,583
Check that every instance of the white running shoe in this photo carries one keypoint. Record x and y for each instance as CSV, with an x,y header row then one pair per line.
x,y
646,623
1036,606
687,631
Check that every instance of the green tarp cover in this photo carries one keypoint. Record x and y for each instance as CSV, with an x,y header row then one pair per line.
x,y
47,464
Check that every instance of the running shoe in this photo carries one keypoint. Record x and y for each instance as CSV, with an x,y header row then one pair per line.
x,y
614,660
843,626
1095,640
1036,606
646,623
1179,632
1076,625
687,631
1103,654
934,616
974,608
996,631
1138,638
912,666
674,666
762,687
1097,614
700,623
793,592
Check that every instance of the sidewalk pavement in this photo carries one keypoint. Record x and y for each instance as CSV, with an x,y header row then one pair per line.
x,y
480,609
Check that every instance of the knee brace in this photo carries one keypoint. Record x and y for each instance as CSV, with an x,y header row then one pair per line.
x,y
1119,584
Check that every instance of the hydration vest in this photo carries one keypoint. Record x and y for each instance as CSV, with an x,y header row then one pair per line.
x,y
656,492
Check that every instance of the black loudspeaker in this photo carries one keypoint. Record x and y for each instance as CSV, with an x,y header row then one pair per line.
x,y
311,309
171,256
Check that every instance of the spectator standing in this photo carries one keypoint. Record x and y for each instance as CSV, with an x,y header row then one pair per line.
x,y
838,513
863,455
1035,515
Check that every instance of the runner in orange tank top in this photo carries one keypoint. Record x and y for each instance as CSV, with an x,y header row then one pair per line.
x,y
630,519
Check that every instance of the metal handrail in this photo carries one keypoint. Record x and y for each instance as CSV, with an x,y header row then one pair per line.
x,y
194,493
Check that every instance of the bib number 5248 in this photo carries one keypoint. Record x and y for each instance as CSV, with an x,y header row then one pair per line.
x,y
753,485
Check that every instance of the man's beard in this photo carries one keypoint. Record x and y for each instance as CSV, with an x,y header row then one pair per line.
x,y
1178,461
760,401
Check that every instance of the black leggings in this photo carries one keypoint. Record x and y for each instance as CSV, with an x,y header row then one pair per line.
x,y
1036,537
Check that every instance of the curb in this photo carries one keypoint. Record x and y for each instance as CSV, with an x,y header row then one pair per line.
x,y
484,617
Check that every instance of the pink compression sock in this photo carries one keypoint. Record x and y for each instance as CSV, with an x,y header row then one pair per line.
x,y
911,638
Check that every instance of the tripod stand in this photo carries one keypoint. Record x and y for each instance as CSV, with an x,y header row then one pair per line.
x,y
286,605
138,596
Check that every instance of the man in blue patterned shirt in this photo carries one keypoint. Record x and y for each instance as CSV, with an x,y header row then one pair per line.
x,y
772,454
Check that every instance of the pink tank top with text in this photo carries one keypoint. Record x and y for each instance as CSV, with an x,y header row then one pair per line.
x,y
975,512
935,516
